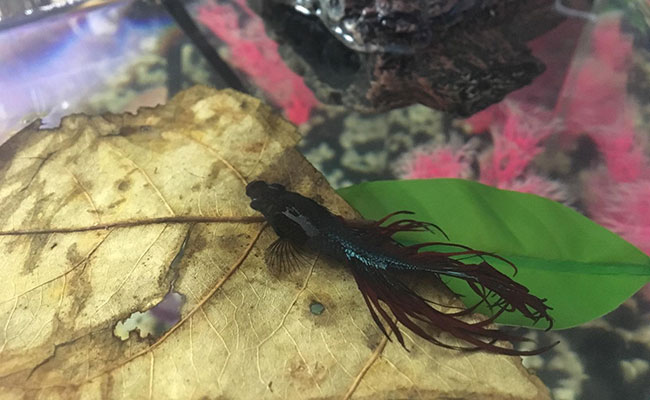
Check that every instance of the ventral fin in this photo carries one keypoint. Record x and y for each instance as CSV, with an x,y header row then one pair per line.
x,y
284,257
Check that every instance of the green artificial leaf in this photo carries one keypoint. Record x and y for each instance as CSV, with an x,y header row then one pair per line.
x,y
584,270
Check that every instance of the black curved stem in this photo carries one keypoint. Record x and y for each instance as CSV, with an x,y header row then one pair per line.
x,y
176,9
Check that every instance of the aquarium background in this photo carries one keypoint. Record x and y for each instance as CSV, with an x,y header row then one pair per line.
x,y
578,134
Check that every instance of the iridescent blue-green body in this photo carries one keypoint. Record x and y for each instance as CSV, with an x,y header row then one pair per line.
x,y
376,260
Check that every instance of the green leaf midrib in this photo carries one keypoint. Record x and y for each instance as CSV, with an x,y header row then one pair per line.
x,y
586,268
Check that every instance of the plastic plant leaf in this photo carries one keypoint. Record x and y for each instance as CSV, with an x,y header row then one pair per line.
x,y
584,270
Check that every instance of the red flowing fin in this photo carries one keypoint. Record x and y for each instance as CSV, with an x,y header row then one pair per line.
x,y
411,225
485,280
381,289
488,283
391,215
375,228
497,290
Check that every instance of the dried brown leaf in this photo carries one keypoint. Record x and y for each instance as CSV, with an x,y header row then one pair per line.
x,y
100,195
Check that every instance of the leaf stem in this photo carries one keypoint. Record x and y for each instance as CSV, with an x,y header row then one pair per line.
x,y
182,219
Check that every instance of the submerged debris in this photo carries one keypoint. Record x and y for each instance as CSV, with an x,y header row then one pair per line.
x,y
456,56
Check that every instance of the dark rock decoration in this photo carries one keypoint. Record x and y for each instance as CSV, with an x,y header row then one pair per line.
x,y
458,56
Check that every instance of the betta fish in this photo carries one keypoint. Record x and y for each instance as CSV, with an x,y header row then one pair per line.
x,y
377,261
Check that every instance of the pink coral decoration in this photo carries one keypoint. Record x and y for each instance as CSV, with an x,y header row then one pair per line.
x,y
482,120
622,148
539,185
617,196
517,131
446,161
594,101
594,97
610,45
623,207
516,141
254,53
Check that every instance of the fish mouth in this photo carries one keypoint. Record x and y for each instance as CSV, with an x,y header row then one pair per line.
x,y
255,189
256,204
